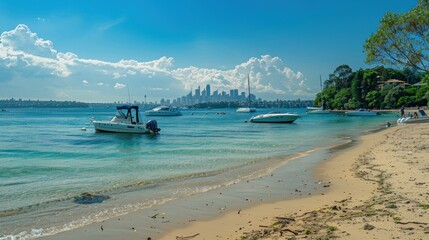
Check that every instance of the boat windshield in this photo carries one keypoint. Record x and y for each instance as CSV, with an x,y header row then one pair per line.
x,y
120,114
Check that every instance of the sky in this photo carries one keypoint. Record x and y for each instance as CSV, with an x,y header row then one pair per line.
x,y
97,51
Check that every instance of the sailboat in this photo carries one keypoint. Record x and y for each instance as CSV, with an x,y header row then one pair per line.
x,y
248,108
318,110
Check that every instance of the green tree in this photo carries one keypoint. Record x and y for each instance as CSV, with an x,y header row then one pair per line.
x,y
391,99
342,76
356,89
374,99
341,98
422,93
402,39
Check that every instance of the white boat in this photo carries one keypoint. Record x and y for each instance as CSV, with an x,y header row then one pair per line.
x,y
318,110
361,112
275,117
418,117
310,109
163,111
247,109
126,121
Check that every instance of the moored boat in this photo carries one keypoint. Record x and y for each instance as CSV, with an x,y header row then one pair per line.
x,y
275,117
249,102
246,109
127,120
361,112
418,117
318,110
163,111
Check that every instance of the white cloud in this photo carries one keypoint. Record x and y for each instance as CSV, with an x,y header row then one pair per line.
x,y
117,75
24,55
119,86
21,39
268,75
129,72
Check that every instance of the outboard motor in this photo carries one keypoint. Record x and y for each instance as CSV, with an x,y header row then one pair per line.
x,y
152,125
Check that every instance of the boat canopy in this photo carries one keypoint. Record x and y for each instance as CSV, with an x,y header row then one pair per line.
x,y
127,107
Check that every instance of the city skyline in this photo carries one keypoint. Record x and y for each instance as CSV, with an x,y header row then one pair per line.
x,y
89,52
206,96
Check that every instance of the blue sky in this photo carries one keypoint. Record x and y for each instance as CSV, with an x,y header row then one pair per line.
x,y
94,50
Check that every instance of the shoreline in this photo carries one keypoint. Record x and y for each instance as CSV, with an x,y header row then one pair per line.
x,y
217,221
375,191
154,221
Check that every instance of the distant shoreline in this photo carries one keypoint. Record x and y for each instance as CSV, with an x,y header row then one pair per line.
x,y
41,104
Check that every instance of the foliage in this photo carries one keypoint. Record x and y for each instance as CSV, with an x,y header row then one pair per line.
x,y
367,88
374,99
402,39
341,98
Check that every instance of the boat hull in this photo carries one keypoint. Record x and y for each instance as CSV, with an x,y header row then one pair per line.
x,y
361,113
319,111
102,126
278,118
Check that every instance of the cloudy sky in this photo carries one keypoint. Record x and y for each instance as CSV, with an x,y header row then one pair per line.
x,y
95,51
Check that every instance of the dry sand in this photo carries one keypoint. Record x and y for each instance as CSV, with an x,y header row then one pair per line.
x,y
376,190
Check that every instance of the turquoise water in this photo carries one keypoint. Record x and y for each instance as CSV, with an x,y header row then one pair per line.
x,y
46,159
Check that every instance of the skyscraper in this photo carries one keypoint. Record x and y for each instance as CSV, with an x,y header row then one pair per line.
x,y
197,92
208,91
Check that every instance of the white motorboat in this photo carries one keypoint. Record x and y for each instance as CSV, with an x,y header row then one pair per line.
x,y
361,112
127,120
317,110
310,109
275,117
247,109
418,117
163,111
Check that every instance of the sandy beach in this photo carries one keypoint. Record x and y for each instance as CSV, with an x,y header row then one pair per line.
x,y
376,189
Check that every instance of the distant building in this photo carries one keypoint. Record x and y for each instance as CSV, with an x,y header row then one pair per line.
x,y
208,92
197,92
393,82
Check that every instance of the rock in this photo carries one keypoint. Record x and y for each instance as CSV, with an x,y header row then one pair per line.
x,y
368,226
90,198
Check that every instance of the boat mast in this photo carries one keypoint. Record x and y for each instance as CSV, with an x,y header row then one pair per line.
x,y
248,86
129,96
321,92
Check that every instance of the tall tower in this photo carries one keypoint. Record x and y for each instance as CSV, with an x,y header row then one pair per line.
x,y
208,93
197,92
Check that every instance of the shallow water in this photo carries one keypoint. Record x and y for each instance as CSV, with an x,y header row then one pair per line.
x,y
46,160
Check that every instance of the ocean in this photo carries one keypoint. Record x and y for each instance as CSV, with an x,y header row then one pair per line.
x,y
46,159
